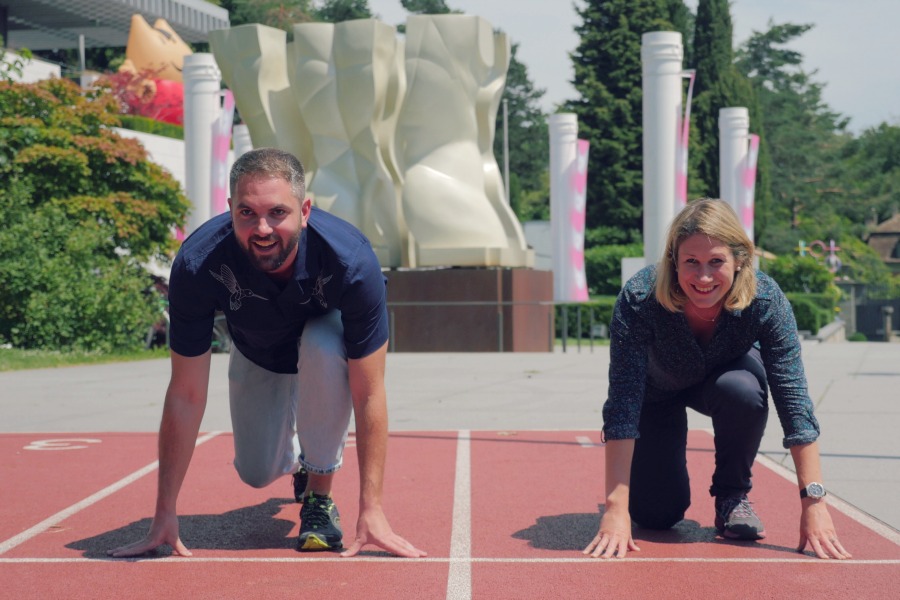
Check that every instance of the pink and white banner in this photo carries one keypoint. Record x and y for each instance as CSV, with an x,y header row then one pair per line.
x,y
221,143
748,186
576,280
681,149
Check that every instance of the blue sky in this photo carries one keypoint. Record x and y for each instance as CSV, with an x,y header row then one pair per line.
x,y
853,46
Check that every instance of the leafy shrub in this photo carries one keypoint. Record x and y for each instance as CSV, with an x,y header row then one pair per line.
x,y
812,311
800,274
81,209
148,125
603,267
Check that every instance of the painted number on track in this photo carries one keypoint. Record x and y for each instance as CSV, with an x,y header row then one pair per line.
x,y
61,444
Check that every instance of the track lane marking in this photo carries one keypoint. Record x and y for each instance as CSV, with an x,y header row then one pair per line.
x,y
459,578
471,560
90,500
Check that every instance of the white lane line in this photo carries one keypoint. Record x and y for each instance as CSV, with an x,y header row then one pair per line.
x,y
452,561
79,506
864,519
585,441
459,578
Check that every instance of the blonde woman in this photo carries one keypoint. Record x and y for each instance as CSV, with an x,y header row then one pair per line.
x,y
703,329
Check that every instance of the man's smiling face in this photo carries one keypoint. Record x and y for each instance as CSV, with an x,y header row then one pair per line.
x,y
268,222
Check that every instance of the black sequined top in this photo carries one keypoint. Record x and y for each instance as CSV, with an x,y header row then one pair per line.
x,y
654,355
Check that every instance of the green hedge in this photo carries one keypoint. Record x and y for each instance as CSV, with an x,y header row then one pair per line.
x,y
600,307
148,125
603,267
812,311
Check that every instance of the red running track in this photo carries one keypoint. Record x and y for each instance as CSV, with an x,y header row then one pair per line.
x,y
501,514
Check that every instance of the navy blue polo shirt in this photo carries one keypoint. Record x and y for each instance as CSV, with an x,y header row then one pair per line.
x,y
335,269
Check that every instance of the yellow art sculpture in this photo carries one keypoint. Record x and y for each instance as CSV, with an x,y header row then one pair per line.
x,y
398,141
154,60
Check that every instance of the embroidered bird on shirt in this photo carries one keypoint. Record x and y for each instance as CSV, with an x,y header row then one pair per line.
x,y
237,292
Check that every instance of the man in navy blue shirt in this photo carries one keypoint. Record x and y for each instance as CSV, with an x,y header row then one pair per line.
x,y
304,298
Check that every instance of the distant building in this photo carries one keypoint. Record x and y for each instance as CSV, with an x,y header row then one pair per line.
x,y
885,240
58,24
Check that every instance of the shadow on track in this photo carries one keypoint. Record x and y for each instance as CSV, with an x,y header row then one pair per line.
x,y
250,528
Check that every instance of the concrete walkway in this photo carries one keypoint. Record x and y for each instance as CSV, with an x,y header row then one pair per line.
x,y
856,388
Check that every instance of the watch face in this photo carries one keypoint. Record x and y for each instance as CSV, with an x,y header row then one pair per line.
x,y
815,490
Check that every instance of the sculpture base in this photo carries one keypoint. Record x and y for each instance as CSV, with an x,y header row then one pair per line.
x,y
471,310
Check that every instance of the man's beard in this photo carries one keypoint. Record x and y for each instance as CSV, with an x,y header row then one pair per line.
x,y
271,262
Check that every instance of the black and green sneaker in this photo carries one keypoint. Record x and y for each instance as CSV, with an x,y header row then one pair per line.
x,y
299,480
320,524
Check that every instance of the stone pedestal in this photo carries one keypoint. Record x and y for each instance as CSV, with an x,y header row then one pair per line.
x,y
471,310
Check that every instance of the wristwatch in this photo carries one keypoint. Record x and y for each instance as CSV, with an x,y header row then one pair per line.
x,y
814,490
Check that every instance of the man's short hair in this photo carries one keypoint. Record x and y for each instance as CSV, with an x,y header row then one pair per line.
x,y
270,162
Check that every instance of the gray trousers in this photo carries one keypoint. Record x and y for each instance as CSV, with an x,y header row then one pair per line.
x,y
283,421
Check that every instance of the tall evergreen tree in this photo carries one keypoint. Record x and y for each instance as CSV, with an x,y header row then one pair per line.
x,y
528,142
800,132
608,79
718,85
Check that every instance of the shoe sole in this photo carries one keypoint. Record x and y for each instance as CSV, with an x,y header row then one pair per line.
x,y
314,543
747,533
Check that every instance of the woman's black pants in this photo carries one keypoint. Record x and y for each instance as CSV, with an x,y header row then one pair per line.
x,y
736,397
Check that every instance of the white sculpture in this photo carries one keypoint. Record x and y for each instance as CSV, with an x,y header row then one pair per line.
x,y
412,168
453,195
348,85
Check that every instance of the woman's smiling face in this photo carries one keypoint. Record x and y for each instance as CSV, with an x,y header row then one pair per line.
x,y
706,270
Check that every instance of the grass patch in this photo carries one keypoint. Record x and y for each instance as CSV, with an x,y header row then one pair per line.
x,y
18,360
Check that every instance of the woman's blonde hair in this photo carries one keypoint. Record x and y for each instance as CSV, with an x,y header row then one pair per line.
x,y
715,219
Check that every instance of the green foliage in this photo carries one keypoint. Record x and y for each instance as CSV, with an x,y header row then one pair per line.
x,y
148,125
427,7
603,266
800,274
531,205
868,171
273,13
800,140
607,65
597,310
718,85
529,143
857,336
336,11
81,208
812,311
863,265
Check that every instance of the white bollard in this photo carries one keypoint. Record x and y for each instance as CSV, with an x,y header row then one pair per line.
x,y
734,132
661,56
563,154
202,82
240,136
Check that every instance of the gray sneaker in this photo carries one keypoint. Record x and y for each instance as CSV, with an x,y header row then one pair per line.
x,y
736,520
